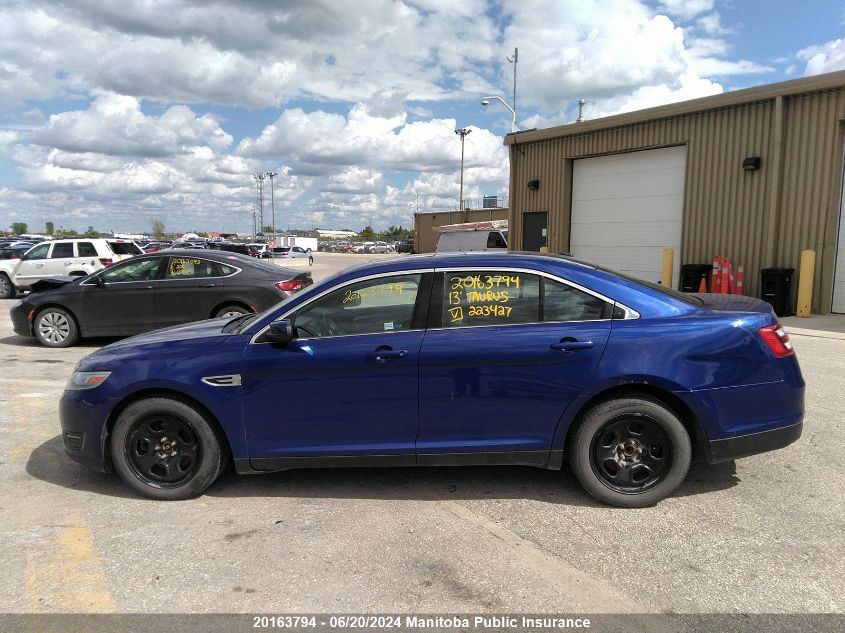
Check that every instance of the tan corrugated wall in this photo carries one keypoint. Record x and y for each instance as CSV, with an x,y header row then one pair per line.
x,y
425,239
762,218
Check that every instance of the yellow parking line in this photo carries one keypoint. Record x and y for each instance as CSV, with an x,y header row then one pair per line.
x,y
71,578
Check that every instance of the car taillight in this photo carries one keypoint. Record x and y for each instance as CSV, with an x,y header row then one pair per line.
x,y
290,286
777,340
105,261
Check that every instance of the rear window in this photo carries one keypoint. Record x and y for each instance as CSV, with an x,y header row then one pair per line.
x,y
125,248
675,294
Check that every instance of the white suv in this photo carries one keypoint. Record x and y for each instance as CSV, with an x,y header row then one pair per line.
x,y
75,257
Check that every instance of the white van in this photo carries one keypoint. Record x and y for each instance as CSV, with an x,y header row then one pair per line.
x,y
493,240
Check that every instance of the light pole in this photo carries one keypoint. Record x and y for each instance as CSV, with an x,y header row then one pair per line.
x,y
513,59
462,132
272,175
486,101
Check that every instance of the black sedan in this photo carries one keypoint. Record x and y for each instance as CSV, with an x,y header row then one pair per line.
x,y
152,291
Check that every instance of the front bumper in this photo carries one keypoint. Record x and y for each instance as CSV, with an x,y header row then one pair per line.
x,y
83,431
753,443
20,324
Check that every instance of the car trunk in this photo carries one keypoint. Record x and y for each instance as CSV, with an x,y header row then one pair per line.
x,y
735,303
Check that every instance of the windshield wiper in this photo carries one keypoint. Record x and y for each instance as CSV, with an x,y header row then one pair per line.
x,y
237,323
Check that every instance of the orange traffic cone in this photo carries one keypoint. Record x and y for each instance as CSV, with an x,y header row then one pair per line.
x,y
740,280
715,284
725,280
702,287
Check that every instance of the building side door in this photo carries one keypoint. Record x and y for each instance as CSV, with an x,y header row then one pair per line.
x,y
535,230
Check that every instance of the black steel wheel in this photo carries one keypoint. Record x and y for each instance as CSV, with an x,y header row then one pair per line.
x,y
7,288
165,449
630,452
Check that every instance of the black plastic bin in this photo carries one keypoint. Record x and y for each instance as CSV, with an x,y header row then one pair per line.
x,y
776,288
691,276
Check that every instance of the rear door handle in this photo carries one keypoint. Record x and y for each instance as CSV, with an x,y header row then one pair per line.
x,y
206,285
385,354
571,345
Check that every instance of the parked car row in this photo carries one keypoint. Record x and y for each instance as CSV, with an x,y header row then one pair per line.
x,y
358,247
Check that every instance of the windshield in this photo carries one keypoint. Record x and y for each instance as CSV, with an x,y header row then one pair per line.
x,y
124,248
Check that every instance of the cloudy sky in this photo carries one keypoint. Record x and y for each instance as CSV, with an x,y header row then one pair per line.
x,y
115,112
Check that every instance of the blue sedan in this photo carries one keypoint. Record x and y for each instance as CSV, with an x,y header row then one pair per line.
x,y
443,360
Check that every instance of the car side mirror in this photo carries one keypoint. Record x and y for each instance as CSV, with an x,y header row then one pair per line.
x,y
280,332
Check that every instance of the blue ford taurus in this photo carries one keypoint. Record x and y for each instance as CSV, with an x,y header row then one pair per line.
x,y
446,360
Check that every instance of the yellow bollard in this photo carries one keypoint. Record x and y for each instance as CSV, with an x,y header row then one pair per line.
x,y
544,249
668,265
805,283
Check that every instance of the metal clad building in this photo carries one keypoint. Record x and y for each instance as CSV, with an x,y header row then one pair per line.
x,y
618,190
425,238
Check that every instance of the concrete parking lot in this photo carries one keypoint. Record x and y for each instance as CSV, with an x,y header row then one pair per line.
x,y
762,534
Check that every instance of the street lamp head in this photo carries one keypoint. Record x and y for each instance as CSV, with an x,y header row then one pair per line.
x,y
485,102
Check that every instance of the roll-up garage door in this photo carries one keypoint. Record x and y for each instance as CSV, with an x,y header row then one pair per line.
x,y
626,208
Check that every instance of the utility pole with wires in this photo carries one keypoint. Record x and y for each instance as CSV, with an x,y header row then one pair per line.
x,y
272,175
462,132
259,184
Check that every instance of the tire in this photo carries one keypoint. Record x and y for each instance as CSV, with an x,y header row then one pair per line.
x,y
310,260
55,327
156,466
630,452
7,288
230,311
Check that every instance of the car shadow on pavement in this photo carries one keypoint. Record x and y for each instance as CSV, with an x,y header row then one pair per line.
x,y
28,341
49,463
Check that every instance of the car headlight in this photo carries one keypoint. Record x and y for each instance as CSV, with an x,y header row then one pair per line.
x,y
86,380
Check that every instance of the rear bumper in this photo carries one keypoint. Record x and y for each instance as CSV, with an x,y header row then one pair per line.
x,y
753,443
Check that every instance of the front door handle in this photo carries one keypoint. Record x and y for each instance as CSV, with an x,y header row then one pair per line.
x,y
384,354
206,285
569,344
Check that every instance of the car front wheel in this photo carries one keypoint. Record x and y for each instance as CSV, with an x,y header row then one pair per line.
x,y
55,327
165,449
230,311
630,452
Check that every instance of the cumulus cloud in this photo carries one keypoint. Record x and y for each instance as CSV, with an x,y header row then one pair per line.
x,y
686,9
326,139
823,58
115,125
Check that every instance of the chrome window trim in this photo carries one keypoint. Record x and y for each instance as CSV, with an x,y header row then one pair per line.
x,y
630,313
99,273
395,273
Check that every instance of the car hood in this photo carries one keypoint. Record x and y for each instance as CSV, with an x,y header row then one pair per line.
x,y
211,329
50,283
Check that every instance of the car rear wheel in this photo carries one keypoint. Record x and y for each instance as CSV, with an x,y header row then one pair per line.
x,y
55,327
630,452
7,288
230,311
165,449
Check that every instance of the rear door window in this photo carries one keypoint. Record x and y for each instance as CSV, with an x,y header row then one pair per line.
x,y
62,250
86,249
483,297
190,268
565,303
